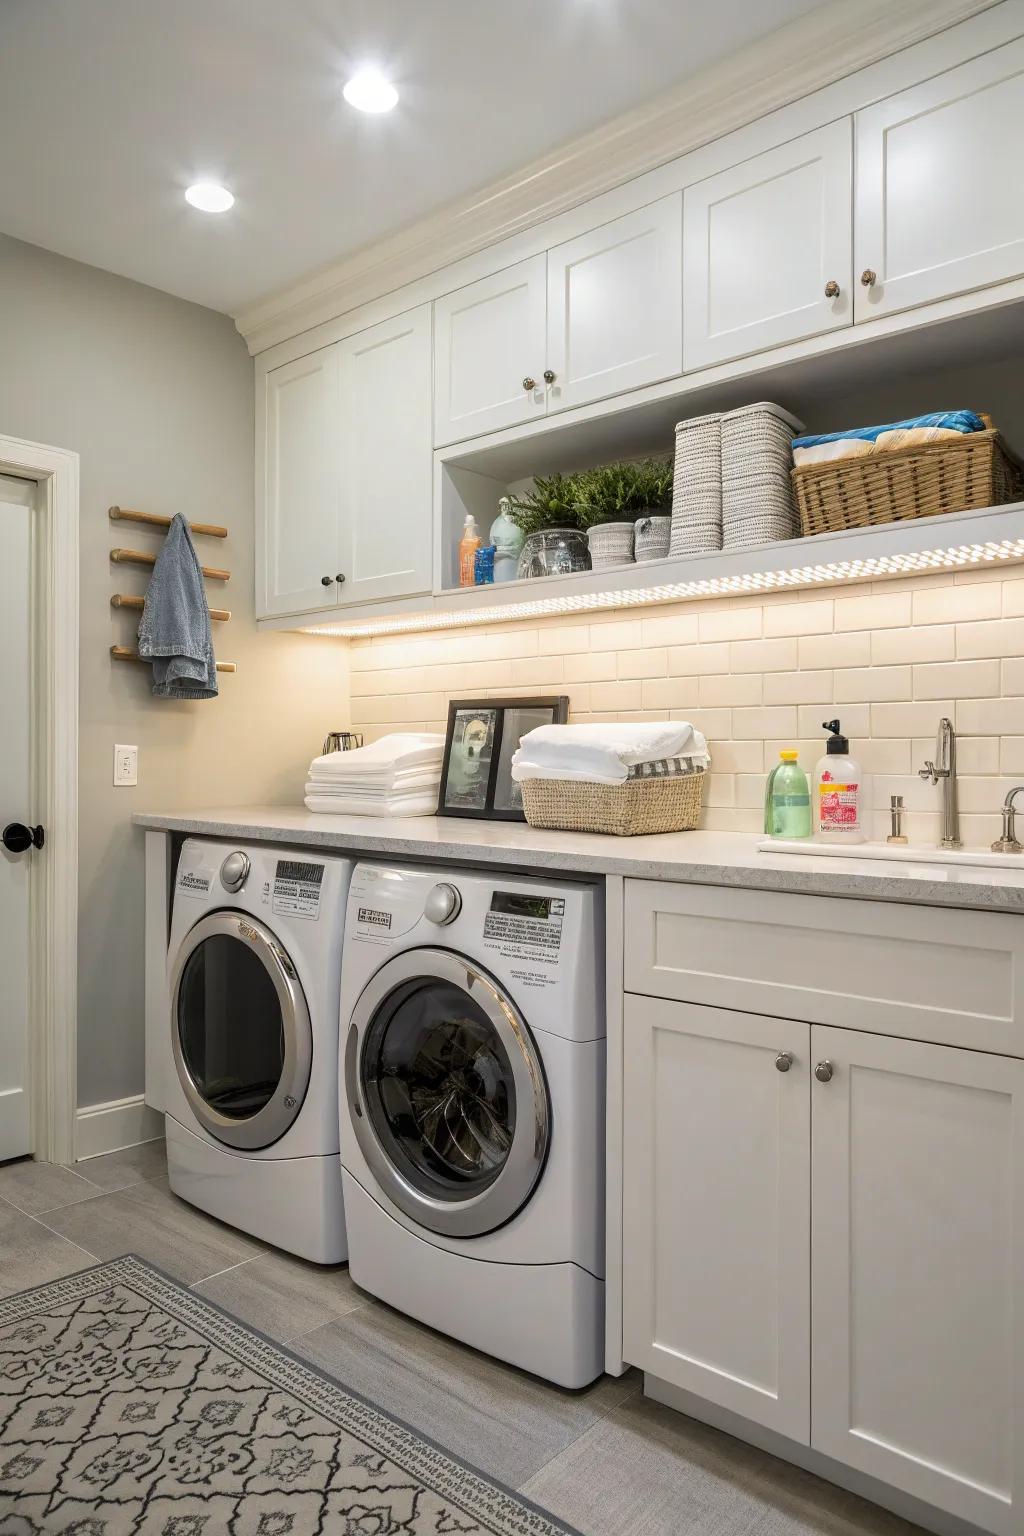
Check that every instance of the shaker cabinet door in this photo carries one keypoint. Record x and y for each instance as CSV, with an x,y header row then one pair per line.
x,y
918,1270
938,210
386,460
767,249
716,1207
297,528
615,306
489,340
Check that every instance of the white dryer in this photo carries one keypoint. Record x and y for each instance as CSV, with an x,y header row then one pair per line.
x,y
251,1071
472,1109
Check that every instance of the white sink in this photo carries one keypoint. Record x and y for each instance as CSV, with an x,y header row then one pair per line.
x,y
899,852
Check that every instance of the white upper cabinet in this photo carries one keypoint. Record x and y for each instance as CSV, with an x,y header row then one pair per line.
x,y
297,541
386,459
716,1206
767,249
938,167
918,1271
489,342
615,310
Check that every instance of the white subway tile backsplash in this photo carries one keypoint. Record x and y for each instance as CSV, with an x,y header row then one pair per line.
x,y
947,605
697,660
887,610
618,695
591,667
763,655
798,687
672,629
1011,756
777,720
803,618
870,685
671,693
956,679
909,719
990,717
719,690
731,624
1002,638
932,642
1012,676
619,635
647,662
817,651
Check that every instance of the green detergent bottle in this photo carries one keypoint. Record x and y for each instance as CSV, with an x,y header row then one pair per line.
x,y
787,799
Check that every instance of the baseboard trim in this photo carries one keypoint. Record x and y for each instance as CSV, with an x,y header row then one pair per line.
x,y
109,1127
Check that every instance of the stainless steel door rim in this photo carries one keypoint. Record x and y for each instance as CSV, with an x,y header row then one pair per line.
x,y
269,1123
496,1204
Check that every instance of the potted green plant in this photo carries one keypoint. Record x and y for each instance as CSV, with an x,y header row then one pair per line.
x,y
548,515
613,497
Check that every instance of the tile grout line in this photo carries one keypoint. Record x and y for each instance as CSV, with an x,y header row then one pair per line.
x,y
609,1413
225,1271
94,1257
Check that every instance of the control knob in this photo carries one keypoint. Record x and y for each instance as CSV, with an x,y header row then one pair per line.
x,y
443,904
234,872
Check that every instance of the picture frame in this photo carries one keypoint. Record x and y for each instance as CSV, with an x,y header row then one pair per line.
x,y
481,736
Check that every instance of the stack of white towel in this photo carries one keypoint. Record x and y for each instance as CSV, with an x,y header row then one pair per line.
x,y
612,753
397,776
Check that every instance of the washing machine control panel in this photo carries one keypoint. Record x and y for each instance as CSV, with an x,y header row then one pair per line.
x,y
234,871
443,904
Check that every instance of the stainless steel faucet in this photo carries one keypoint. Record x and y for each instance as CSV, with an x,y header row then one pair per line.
x,y
1008,842
945,772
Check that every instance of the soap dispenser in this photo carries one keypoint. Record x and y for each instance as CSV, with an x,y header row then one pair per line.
x,y
840,797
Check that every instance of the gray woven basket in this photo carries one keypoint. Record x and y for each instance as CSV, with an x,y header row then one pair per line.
x,y
633,809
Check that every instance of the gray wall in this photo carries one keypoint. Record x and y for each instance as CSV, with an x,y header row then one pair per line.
x,y
156,395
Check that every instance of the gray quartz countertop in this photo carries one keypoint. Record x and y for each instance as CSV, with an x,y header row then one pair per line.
x,y
699,858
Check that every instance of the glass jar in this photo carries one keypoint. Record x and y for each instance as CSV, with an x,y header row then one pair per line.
x,y
554,552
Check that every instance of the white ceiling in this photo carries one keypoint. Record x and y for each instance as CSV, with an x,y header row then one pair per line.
x,y
110,108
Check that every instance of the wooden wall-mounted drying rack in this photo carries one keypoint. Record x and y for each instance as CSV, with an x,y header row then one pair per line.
x,y
157,523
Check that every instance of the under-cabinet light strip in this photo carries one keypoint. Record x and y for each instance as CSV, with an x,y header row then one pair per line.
x,y
954,557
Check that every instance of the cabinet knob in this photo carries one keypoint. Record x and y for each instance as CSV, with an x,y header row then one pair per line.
x,y
831,289
325,581
783,1061
868,278
549,375
340,577
529,383
823,1071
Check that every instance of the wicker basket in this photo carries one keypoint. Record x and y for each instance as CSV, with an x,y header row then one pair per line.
x,y
921,480
627,810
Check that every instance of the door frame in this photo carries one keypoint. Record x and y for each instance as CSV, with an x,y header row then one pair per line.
x,y
53,949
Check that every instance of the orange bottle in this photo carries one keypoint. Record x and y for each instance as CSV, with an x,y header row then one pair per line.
x,y
468,546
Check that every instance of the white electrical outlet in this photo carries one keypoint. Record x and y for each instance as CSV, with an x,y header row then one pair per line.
x,y
126,765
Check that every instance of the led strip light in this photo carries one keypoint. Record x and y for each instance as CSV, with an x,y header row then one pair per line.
x,y
952,558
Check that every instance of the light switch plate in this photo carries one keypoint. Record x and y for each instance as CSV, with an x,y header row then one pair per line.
x,y
126,765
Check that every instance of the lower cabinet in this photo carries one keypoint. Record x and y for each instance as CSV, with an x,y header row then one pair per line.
x,y
824,1232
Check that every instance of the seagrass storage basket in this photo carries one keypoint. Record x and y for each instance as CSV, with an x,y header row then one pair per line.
x,y
633,809
922,480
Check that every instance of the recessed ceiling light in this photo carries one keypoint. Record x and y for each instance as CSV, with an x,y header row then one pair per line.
x,y
209,197
370,92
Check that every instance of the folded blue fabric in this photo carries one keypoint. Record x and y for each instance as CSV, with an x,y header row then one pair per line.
x,y
956,421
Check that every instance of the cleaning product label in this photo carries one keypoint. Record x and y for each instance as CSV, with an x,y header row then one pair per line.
x,y
527,929
838,806
297,888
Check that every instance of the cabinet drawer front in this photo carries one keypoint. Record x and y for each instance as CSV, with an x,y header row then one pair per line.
x,y
933,214
918,1355
762,241
921,972
716,1207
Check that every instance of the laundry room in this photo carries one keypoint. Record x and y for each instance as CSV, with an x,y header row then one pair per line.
x,y
512,582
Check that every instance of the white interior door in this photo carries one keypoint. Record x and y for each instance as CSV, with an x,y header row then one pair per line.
x,y
489,341
615,306
938,167
768,248
918,1270
386,460
298,542
716,1207
17,500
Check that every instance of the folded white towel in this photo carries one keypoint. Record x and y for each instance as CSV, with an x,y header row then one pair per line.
x,y
369,793
338,805
604,753
412,778
391,754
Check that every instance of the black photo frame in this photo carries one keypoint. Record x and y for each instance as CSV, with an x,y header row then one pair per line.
x,y
482,734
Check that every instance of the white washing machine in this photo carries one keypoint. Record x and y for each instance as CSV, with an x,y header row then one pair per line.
x,y
472,1109
251,1073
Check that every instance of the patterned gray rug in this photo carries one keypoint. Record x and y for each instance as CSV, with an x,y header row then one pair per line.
x,y
131,1407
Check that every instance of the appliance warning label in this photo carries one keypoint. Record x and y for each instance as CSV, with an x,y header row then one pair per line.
x,y
297,888
527,929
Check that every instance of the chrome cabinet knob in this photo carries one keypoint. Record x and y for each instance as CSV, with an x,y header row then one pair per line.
x,y
529,383
783,1061
549,375
823,1071
443,904
831,289
868,278
234,871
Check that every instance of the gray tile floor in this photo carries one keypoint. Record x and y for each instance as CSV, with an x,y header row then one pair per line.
x,y
606,1459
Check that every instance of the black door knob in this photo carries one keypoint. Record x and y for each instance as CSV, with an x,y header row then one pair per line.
x,y
325,581
340,577
16,837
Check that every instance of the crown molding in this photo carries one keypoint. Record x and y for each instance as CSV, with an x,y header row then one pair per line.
x,y
804,56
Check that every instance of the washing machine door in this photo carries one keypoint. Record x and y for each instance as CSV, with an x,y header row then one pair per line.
x,y
240,1030
447,1093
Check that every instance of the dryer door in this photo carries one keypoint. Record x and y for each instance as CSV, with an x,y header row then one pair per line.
x,y
447,1094
240,1031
